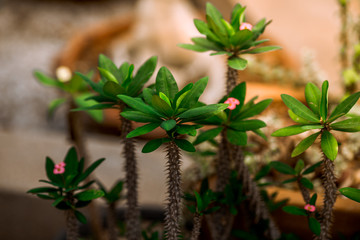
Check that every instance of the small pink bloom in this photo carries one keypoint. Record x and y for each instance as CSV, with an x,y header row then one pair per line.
x,y
59,170
60,165
245,25
232,103
310,208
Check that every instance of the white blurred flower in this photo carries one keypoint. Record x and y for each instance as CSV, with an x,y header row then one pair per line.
x,y
63,73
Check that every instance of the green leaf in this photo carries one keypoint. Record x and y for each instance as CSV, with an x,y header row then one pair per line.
x,y
230,30
296,118
168,124
47,81
294,210
237,63
185,145
352,193
79,216
294,129
262,49
49,166
94,107
313,199
290,180
187,129
108,75
241,38
143,130
304,144
195,92
314,226
166,83
147,95
329,145
239,92
254,110
313,97
139,117
205,43
89,194
348,125
344,107
207,135
179,96
216,16
161,106
199,202
247,125
201,26
235,15
57,201
299,166
236,137
201,112
298,108
324,100
114,193
97,87
263,172
311,168
142,76
54,104
282,167
154,144
139,105
42,190
165,98
82,102
108,65
195,48
307,183
89,170
113,89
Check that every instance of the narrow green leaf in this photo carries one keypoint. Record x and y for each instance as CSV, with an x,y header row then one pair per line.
x,y
187,129
348,125
304,144
165,98
166,83
290,180
314,226
49,166
113,89
262,49
139,117
255,110
89,194
83,101
236,137
154,144
282,167
42,190
97,87
168,124
263,172
294,210
229,29
307,183
329,145
296,118
142,76
324,100
313,199
241,38
108,75
294,129
143,130
298,108
161,106
147,95
352,193
139,105
247,125
206,43
344,107
239,92
100,106
192,47
195,92
201,112
57,201
108,65
207,135
201,26
81,217
235,15
311,168
299,166
237,63
313,97
216,16
185,145
199,202
47,81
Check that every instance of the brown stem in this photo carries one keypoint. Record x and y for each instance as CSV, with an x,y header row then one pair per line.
x,y
304,191
131,180
232,77
72,225
173,209
329,184
112,226
196,228
223,163
256,202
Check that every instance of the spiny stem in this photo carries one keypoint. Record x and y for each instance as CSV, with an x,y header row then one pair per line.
x,y
173,209
223,163
329,184
132,211
252,192
112,227
232,77
196,228
72,225
304,191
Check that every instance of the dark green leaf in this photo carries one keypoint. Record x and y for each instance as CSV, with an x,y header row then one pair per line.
x,y
237,63
244,235
307,183
97,87
262,49
299,166
304,144
166,83
314,226
113,89
187,129
247,125
263,172
241,38
282,167
139,117
154,144
168,124
191,208
143,130
46,197
49,166
89,194
313,199
329,145
194,94
179,96
256,109
161,106
298,108
290,180
79,216
89,170
313,97
94,107
344,107
42,190
199,202
185,145
312,168
201,112
348,125
207,135
239,92
352,193
57,201
236,137
294,210
115,192
139,105
324,100
295,129
147,95
142,76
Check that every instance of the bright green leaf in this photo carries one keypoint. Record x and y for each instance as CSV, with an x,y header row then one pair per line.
x,y
313,97
143,130
324,100
237,63
352,193
304,144
247,125
294,129
298,108
296,118
344,107
166,83
329,145
168,124
348,125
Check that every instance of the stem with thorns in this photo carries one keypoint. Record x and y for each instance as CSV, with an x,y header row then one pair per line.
x,y
197,225
112,227
72,225
173,209
131,180
329,184
231,79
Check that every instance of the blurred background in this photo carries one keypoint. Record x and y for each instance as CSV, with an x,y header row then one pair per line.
x,y
45,34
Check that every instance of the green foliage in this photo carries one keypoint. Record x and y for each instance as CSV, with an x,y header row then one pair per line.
x,y
68,190
114,194
316,118
223,37
352,193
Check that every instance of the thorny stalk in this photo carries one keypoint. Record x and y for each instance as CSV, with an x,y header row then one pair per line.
x,y
111,217
197,225
72,225
304,191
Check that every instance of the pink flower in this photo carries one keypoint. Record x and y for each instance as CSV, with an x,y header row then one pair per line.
x,y
232,103
59,168
245,25
310,208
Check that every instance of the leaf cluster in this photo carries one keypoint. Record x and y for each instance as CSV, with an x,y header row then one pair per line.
x,y
114,194
223,37
171,109
236,122
315,117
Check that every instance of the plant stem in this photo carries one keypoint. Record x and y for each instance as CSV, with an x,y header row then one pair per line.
x,y
304,191
196,228
256,202
173,210
329,184
72,225
132,212
223,163
112,226
232,77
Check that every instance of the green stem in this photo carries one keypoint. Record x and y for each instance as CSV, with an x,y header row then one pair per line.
x,y
131,180
173,209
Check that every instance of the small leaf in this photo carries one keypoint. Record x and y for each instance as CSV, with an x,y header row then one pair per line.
x,y
195,48
262,49
165,98
108,75
139,105
143,130
282,167
89,170
199,202
344,107
247,125
313,97
313,199
139,117
352,193
154,144
108,65
168,124
142,76
161,106
254,110
263,172
299,166
299,109
290,180
329,145
236,137
185,145
166,83
296,118
314,226
42,190
294,210
207,135
307,183
79,216
311,168
57,201
304,144
324,100
203,112
89,194
237,63
295,129
205,43
348,125
195,92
